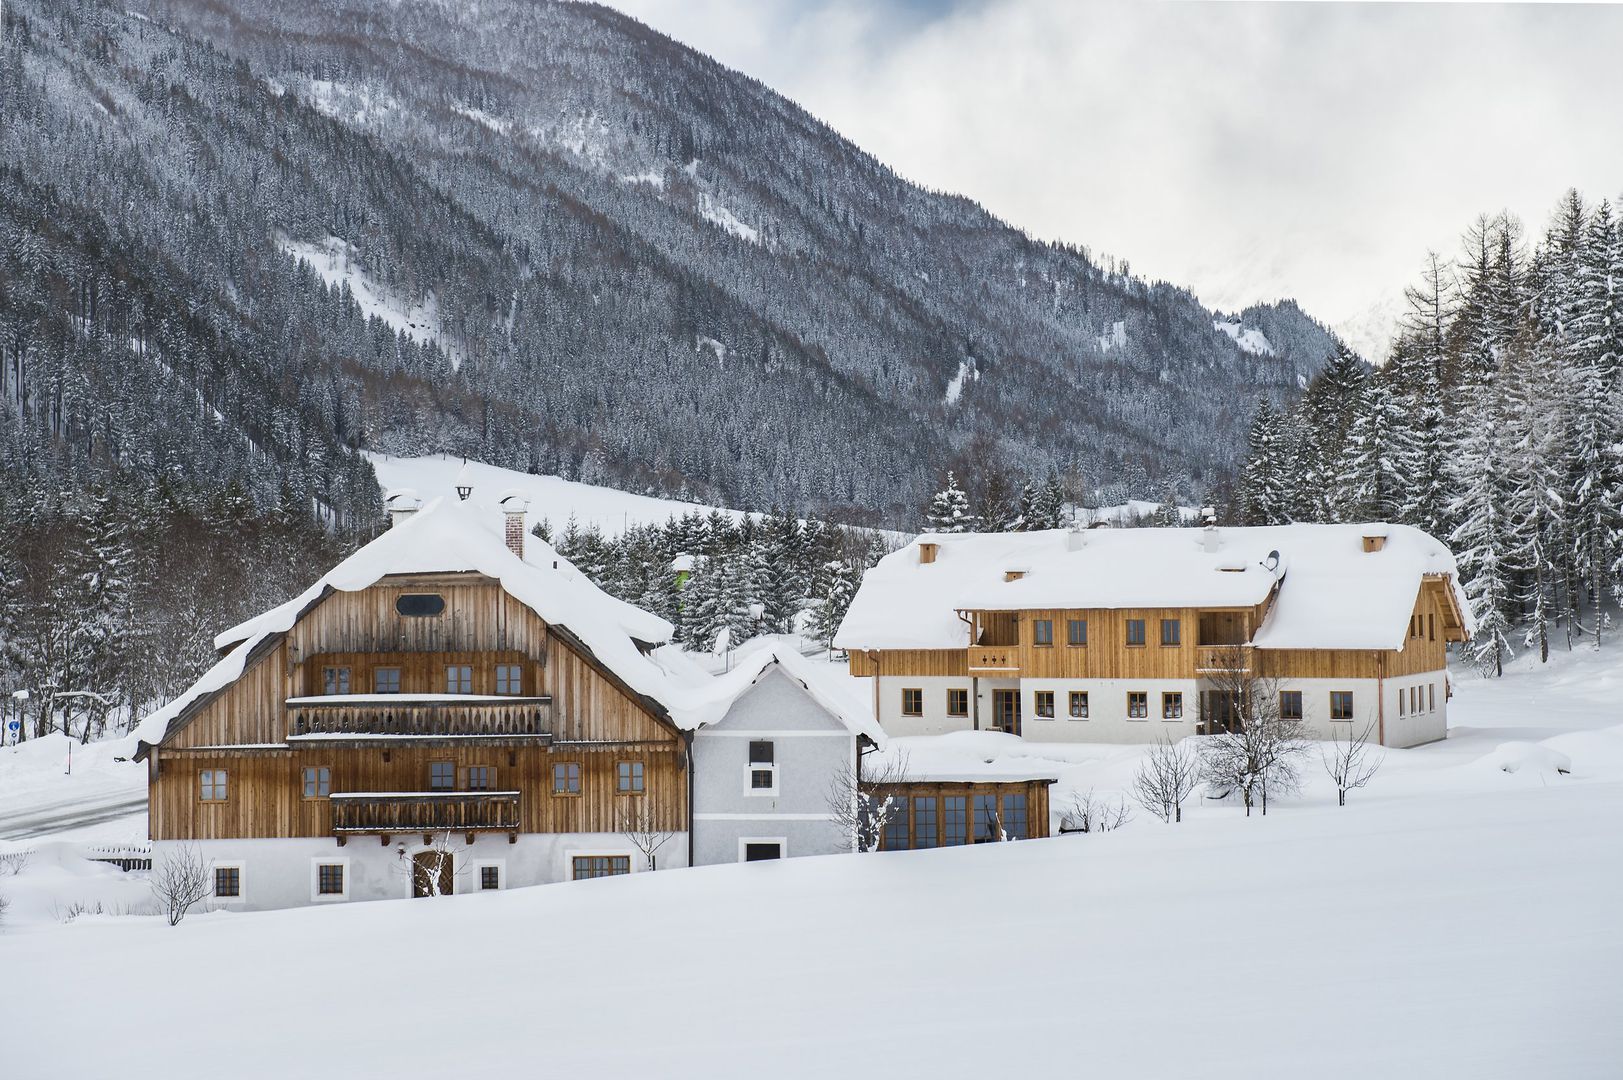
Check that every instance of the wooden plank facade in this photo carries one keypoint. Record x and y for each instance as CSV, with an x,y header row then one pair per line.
x,y
568,710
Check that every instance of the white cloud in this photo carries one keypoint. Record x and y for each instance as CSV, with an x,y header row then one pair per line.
x,y
1246,150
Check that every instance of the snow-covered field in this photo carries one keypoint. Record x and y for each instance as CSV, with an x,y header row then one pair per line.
x,y
1456,919
551,497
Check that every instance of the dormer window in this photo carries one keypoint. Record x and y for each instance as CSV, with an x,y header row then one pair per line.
x,y
420,605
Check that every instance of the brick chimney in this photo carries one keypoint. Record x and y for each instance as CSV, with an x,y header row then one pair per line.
x,y
514,507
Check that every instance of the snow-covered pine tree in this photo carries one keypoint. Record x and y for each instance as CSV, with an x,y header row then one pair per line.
x,y
949,510
1263,495
1369,485
1480,471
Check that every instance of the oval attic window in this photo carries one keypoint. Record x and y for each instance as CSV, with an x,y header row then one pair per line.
x,y
420,605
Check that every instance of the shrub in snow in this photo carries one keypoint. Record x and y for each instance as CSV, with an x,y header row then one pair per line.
x,y
1086,812
181,880
13,863
1166,778
1351,763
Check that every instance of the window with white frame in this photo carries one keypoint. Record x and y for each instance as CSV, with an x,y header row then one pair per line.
x,y
329,879
761,772
1079,704
228,881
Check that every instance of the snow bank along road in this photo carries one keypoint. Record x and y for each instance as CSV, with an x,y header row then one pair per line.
x,y
50,819
1467,935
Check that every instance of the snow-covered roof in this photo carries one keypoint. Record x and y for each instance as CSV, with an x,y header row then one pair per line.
x,y
450,536
829,686
1332,593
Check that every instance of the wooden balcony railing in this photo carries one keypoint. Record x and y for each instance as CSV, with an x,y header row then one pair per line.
x,y
1222,659
420,716
994,658
425,811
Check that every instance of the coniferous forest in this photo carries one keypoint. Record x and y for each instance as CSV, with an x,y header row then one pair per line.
x,y
1497,426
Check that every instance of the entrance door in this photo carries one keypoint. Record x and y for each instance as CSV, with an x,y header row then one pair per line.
x,y
1006,710
431,873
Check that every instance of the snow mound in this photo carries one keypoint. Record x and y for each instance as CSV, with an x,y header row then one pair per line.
x,y
1528,758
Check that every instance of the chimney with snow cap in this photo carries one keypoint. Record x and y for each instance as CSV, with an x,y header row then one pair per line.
x,y
514,507
401,503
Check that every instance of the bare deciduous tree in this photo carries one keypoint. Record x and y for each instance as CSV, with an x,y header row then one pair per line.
x,y
1255,750
429,868
642,828
182,880
857,803
1166,778
1089,813
1351,763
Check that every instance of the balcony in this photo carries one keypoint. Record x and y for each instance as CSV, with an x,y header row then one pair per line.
x,y
994,660
1223,659
425,812
357,717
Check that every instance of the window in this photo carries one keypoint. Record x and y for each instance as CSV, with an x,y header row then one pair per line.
x,y
330,879
1414,698
490,877
912,701
1431,695
954,820
895,834
480,778
1171,631
211,785
1135,631
1079,704
1172,706
510,679
987,825
1290,704
1138,705
1042,703
1014,816
317,781
335,680
441,776
628,777
763,850
1341,705
566,778
227,881
1076,632
924,830
420,605
1042,632
458,679
596,866
762,767
957,702
1431,626
386,680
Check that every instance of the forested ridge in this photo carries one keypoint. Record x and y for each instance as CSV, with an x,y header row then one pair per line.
x,y
1497,426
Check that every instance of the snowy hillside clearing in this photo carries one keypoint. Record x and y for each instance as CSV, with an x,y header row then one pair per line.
x,y
551,497
955,386
1252,341
337,263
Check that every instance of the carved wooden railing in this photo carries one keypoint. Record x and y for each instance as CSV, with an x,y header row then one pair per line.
x,y
425,811
1222,659
406,716
1004,658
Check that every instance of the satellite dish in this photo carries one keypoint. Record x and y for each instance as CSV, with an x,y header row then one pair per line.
x,y
1271,563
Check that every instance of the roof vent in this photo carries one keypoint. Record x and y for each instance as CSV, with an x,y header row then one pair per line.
x,y
1014,575
927,552
401,503
1374,539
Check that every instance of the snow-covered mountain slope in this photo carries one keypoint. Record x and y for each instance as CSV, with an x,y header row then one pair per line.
x,y
551,497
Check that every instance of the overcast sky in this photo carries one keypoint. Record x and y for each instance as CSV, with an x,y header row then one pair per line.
x,y
1247,150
